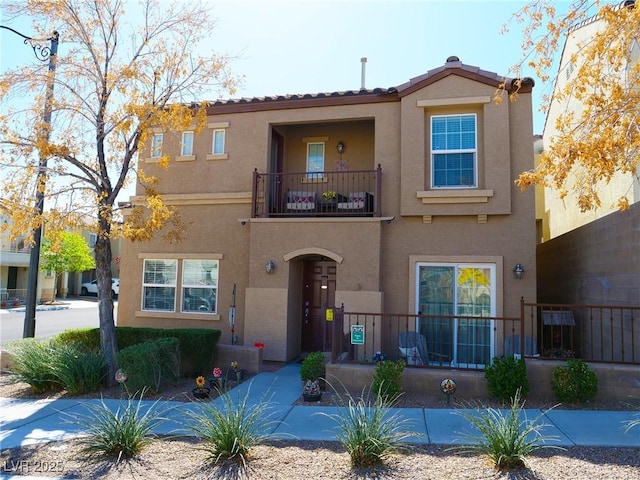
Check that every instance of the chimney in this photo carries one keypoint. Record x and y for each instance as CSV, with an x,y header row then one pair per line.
x,y
363,60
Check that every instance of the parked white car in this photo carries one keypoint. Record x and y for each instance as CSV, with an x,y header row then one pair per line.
x,y
91,288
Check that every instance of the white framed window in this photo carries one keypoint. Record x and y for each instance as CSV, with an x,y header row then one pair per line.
x,y
159,285
315,159
454,301
454,151
218,142
187,144
92,240
199,286
156,145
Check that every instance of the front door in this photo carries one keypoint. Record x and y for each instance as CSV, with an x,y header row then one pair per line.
x,y
319,290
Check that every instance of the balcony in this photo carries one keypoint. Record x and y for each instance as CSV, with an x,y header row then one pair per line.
x,y
317,194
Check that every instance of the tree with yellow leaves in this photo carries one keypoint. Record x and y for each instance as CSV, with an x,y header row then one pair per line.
x,y
122,69
595,101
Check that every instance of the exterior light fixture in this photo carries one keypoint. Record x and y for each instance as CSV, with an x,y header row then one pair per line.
x,y
325,279
518,271
340,147
270,266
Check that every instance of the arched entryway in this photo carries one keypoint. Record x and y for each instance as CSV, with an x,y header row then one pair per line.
x,y
313,285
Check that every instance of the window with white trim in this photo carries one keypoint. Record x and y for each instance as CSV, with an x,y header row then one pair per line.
x,y
199,286
156,145
187,144
315,159
159,285
455,302
218,142
454,151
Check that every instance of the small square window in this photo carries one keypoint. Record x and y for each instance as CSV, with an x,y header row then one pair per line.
x,y
187,144
218,142
156,145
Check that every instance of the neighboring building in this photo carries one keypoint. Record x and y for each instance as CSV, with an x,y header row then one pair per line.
x,y
14,269
425,217
591,257
564,214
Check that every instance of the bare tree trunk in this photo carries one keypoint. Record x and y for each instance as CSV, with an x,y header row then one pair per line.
x,y
108,339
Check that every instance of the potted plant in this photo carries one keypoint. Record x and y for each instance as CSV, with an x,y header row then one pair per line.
x,y
218,381
311,373
201,392
237,372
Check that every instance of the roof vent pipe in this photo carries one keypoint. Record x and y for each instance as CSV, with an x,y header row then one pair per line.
x,y
363,60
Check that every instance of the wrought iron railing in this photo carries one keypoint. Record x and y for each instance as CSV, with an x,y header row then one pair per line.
x,y
593,333
317,194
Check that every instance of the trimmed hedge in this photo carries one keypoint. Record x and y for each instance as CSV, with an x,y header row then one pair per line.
x,y
197,345
150,364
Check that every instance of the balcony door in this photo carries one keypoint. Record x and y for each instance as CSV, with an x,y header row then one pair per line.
x,y
462,294
319,291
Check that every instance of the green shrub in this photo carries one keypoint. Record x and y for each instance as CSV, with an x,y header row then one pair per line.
x,y
32,364
49,366
231,428
506,376
197,345
88,337
312,367
120,434
575,382
79,370
505,437
369,432
150,364
387,379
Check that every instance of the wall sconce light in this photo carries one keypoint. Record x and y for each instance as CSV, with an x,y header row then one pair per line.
x,y
270,266
325,279
518,271
340,147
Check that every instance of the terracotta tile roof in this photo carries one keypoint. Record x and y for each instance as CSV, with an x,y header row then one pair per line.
x,y
453,66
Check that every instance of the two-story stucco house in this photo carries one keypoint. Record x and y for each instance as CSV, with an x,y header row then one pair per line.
x,y
384,200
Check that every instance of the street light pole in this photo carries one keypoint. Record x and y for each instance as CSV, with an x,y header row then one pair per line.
x,y
43,54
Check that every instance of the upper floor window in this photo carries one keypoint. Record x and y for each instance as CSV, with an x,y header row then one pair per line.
x,y
159,285
92,240
453,151
187,144
218,142
199,286
156,145
315,158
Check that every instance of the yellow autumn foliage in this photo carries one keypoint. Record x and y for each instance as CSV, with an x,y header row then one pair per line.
x,y
600,139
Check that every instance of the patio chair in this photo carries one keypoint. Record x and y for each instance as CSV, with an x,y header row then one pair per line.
x,y
413,348
512,347
357,202
300,202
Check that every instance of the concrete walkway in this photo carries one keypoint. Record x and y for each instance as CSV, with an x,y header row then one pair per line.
x,y
24,422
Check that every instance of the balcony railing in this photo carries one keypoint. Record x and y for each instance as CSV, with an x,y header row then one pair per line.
x,y
317,194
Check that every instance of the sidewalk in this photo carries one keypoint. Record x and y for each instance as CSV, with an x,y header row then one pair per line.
x,y
25,422
60,304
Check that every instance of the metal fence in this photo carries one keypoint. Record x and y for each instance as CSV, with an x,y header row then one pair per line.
x,y
594,333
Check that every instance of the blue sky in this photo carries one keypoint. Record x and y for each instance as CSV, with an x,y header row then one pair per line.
x,y
285,47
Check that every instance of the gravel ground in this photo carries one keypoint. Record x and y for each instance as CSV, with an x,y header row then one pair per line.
x,y
178,458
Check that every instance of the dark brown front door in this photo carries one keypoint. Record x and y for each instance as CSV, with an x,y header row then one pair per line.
x,y
315,300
